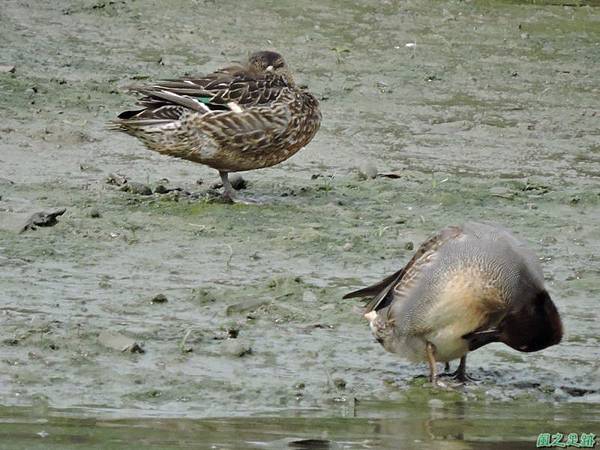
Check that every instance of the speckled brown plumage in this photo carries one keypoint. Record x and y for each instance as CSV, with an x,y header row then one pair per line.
x,y
242,117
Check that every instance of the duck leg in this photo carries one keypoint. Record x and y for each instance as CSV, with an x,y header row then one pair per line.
x,y
460,374
228,193
433,376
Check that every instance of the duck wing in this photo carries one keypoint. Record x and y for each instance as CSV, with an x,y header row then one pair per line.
x,y
382,293
229,89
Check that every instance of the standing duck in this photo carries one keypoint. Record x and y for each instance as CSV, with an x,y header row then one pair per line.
x,y
241,117
464,288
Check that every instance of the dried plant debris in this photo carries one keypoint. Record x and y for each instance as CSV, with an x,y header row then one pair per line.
x,y
42,219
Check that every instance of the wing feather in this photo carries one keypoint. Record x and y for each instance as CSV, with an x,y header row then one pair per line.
x,y
382,293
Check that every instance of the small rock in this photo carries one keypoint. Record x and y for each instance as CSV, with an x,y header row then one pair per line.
x,y
233,333
575,391
339,383
134,187
159,299
409,245
347,246
367,171
249,305
237,182
94,213
313,444
7,69
160,189
236,348
392,175
117,341
116,179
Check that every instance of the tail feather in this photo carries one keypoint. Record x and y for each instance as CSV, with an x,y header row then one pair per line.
x,y
133,126
378,291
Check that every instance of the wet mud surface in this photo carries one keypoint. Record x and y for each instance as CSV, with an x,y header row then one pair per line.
x,y
229,311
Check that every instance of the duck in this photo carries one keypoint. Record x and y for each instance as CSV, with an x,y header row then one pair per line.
x,y
238,118
465,287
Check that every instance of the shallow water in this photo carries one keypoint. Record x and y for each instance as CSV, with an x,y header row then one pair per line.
x,y
433,424
494,114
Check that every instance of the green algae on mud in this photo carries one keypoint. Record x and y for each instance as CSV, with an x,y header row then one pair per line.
x,y
493,115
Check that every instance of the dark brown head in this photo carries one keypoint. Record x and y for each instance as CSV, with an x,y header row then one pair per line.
x,y
267,61
533,326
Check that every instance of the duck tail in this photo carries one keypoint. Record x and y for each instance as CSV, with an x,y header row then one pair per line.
x,y
378,291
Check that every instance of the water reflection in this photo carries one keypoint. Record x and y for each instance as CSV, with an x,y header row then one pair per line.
x,y
424,424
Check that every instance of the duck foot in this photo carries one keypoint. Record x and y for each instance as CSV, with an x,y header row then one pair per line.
x,y
459,374
229,195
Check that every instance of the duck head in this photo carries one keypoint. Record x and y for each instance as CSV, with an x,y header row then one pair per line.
x,y
270,62
532,326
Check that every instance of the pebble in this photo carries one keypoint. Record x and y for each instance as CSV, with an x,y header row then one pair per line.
x,y
134,187
409,246
236,347
161,189
117,341
233,333
94,213
339,383
242,307
159,298
237,181
367,171
7,69
116,179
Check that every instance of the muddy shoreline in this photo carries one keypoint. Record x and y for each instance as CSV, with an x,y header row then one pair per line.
x,y
492,115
